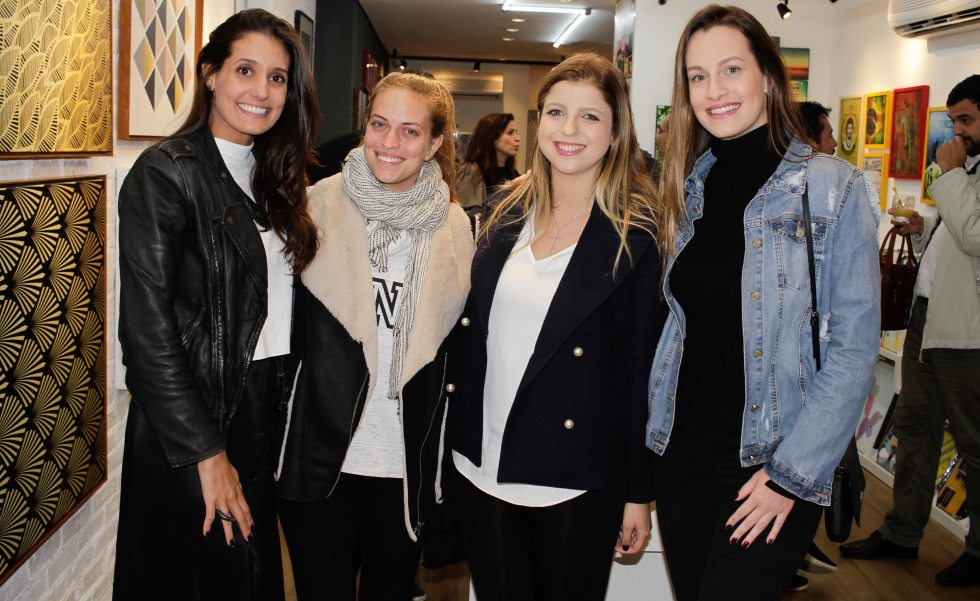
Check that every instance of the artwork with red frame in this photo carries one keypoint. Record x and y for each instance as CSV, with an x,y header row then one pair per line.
x,y
909,107
372,71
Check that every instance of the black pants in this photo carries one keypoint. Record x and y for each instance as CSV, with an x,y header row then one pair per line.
x,y
695,498
160,552
360,527
562,552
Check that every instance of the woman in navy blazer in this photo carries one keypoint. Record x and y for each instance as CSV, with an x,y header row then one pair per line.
x,y
550,359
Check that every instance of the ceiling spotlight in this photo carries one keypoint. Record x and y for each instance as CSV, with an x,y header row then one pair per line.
x,y
403,65
476,66
507,39
784,10
518,20
512,30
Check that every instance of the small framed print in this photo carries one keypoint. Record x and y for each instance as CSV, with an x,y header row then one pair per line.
x,y
877,117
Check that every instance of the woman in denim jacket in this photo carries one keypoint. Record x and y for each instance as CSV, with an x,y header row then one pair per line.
x,y
748,429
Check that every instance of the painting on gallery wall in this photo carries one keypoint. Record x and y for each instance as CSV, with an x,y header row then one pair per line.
x,y
797,61
877,112
52,357
56,97
305,27
908,134
875,167
623,24
158,45
849,129
939,130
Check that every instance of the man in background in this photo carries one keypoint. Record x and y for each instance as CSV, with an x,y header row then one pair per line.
x,y
940,359
819,132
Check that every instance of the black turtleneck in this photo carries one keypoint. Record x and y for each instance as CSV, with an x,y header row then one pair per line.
x,y
706,280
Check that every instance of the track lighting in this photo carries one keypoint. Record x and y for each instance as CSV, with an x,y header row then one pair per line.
x,y
784,10
476,66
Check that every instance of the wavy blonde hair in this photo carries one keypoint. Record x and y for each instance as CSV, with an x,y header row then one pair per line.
x,y
623,190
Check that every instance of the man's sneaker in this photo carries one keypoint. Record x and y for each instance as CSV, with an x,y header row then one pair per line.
x,y
798,583
877,546
965,571
816,562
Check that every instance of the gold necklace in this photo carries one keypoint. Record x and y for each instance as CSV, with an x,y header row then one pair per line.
x,y
558,228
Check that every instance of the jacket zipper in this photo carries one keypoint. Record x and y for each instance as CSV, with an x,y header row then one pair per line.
x,y
350,433
432,421
192,325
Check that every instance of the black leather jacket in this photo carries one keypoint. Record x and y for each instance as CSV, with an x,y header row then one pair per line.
x,y
193,293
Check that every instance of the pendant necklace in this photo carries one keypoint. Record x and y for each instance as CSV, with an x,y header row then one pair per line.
x,y
558,228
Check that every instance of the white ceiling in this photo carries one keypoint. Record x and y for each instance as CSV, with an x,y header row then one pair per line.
x,y
473,28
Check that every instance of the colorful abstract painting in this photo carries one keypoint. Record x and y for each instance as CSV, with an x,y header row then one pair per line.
x,y
877,107
797,62
849,129
908,134
55,78
158,45
939,130
52,357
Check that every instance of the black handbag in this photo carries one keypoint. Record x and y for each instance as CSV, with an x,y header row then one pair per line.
x,y
848,482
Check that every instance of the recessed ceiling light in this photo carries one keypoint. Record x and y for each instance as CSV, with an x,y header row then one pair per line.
x,y
513,29
507,39
518,20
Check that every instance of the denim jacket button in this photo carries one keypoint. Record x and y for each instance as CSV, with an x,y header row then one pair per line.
x,y
755,407
756,243
755,296
758,353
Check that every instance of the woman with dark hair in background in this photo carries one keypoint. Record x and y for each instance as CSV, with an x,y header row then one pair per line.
x,y
360,487
489,161
212,227
749,423
550,360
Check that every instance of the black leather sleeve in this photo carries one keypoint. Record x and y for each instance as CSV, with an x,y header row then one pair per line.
x,y
155,228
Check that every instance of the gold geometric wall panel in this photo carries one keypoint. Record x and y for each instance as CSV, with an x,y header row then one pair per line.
x,y
52,357
55,78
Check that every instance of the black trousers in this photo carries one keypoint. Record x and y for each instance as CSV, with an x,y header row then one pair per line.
x,y
359,528
563,552
695,498
160,552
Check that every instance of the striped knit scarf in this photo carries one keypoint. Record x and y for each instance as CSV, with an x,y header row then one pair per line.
x,y
419,211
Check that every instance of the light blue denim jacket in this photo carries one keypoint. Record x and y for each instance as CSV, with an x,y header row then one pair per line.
x,y
796,420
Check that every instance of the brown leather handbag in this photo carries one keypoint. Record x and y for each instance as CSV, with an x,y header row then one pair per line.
x,y
897,280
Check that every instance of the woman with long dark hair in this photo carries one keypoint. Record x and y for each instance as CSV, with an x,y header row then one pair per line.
x,y
360,486
489,160
749,420
549,362
212,227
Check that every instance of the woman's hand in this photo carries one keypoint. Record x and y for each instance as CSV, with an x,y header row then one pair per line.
x,y
223,493
635,532
762,506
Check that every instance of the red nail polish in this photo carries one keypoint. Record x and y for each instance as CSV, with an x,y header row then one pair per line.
x,y
769,541
732,541
746,544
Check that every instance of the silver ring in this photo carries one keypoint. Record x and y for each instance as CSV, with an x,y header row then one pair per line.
x,y
224,516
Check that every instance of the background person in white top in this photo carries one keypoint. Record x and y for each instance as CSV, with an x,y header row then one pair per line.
x,y
550,360
212,221
360,481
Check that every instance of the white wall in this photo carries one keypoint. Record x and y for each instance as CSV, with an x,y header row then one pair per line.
x,y
77,561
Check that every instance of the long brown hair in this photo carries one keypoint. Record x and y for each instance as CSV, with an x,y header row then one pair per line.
x,y
482,149
283,152
442,114
623,190
687,139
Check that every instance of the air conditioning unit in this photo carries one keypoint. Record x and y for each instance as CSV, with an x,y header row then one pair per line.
x,y
462,83
929,18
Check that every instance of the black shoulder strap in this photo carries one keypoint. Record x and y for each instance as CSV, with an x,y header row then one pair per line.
x,y
814,314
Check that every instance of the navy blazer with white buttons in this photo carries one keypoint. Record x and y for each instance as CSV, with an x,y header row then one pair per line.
x,y
579,417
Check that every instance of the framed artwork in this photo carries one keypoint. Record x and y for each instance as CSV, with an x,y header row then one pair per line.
x,y
52,357
877,113
849,129
371,72
876,406
305,27
939,130
908,132
798,89
662,111
360,110
797,61
875,165
56,98
158,45
624,22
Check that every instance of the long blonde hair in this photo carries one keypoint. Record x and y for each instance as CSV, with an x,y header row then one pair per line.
x,y
687,139
442,114
623,190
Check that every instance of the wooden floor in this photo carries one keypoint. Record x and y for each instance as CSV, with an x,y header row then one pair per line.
x,y
885,580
